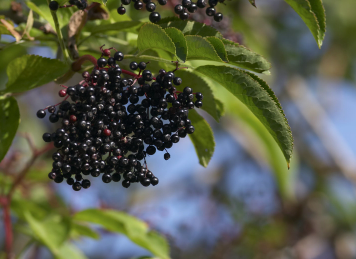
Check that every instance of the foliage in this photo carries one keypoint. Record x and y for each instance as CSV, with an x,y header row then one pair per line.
x,y
227,73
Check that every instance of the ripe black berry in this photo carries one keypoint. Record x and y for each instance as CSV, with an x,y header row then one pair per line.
x,y
150,7
184,16
154,181
41,114
155,17
125,2
192,8
218,17
210,11
102,62
145,182
53,5
186,3
201,3
106,178
126,183
162,2
121,10
133,65
76,186
138,5
167,156
86,183
142,65
178,9
118,56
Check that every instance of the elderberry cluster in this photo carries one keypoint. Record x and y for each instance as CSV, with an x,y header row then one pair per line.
x,y
113,123
191,7
138,5
180,9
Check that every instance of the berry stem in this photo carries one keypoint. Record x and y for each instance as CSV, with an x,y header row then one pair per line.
x,y
77,65
60,36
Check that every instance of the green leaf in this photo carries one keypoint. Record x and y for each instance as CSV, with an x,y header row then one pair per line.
x,y
313,15
68,250
131,26
200,48
179,41
151,36
30,71
52,232
253,2
240,56
136,230
199,85
9,121
191,28
43,11
104,2
80,230
219,47
259,99
202,138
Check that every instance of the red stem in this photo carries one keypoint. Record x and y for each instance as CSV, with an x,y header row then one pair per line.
x,y
4,201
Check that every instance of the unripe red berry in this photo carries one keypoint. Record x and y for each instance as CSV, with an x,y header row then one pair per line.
x,y
72,118
106,52
62,93
107,132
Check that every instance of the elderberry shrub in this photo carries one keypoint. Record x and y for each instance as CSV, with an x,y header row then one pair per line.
x,y
183,9
113,123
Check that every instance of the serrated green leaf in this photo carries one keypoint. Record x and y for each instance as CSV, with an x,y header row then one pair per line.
x,y
52,232
249,91
191,28
136,230
9,121
30,71
202,138
240,56
313,15
199,85
131,26
80,230
219,47
200,48
151,36
179,41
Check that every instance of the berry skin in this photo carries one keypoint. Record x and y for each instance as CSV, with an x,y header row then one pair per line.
x,y
41,114
70,181
192,8
126,183
62,93
147,75
52,175
133,65
198,104
154,181
177,81
199,96
162,2
145,182
150,150
218,17
86,183
107,132
213,3
142,65
178,9
116,177
186,3
77,186
184,16
187,90
155,17
102,62
138,5
119,56
150,7
51,109
53,5
125,2
201,3
121,10
46,137
210,11
167,156
106,178
72,118
190,129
